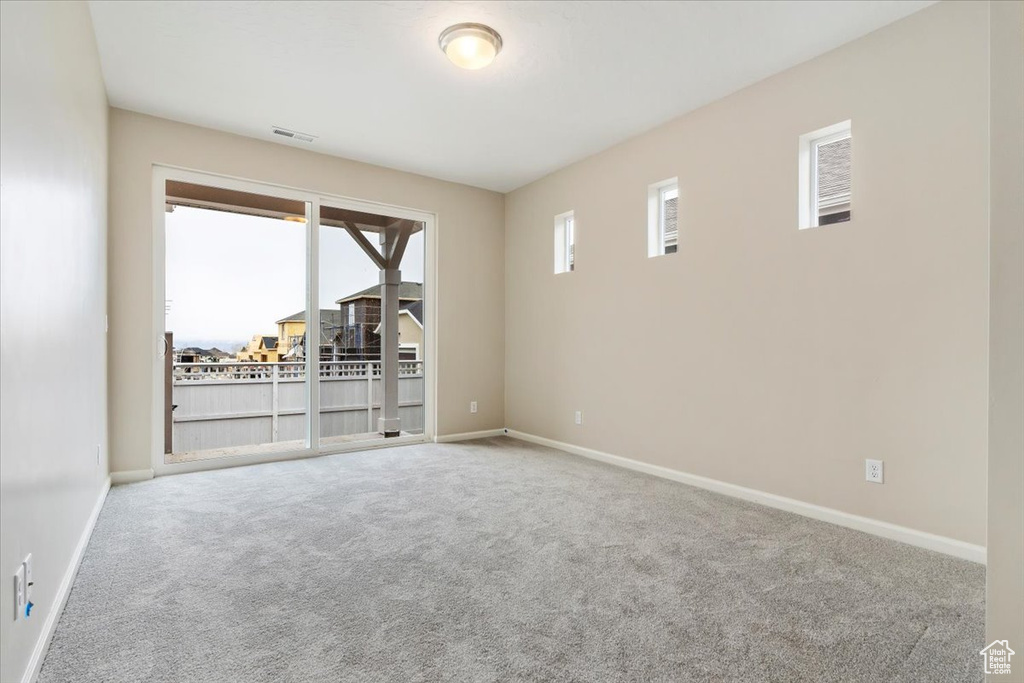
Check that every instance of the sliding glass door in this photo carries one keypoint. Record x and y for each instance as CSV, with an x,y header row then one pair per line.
x,y
235,274
291,324
372,325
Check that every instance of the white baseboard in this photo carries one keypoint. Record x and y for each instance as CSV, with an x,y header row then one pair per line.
x,y
921,539
130,476
466,436
63,591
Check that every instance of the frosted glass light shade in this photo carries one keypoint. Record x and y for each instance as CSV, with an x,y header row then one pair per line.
x,y
470,46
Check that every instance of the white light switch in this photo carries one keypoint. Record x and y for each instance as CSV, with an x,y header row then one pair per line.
x,y
19,592
29,580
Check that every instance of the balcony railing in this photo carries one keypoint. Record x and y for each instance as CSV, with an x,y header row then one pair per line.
x,y
240,372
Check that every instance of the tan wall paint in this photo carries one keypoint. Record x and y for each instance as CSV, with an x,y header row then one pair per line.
x,y
765,356
1005,598
470,268
53,279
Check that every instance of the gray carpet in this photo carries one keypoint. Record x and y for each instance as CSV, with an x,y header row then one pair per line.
x,y
497,560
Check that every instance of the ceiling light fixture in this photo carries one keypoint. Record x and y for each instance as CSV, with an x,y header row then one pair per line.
x,y
470,46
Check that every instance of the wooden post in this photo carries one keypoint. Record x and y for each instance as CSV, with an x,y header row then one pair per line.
x,y
389,424
393,241
274,402
370,426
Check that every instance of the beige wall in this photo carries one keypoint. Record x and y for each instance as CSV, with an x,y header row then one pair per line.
x,y
1005,600
765,356
470,267
53,278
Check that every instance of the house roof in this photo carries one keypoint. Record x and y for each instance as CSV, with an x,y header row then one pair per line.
x,y
408,291
330,320
331,314
415,309
380,325
268,342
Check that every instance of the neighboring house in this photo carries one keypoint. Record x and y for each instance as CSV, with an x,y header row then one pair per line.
x,y
410,331
358,336
260,349
291,333
672,224
834,181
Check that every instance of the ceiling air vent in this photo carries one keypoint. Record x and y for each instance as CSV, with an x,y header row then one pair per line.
x,y
294,134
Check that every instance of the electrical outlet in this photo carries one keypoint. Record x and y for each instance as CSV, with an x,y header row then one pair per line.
x,y
19,592
579,417
874,471
472,406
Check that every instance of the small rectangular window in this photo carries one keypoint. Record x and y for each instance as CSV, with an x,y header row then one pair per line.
x,y
826,164
565,242
663,218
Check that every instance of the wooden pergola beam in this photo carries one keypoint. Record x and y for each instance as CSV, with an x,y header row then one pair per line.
x,y
396,247
364,243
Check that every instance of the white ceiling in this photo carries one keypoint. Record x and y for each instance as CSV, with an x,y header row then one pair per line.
x,y
368,78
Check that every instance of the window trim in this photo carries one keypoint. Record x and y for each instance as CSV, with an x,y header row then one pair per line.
x,y
656,216
570,242
808,170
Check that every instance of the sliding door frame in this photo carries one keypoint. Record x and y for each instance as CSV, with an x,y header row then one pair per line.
x,y
313,200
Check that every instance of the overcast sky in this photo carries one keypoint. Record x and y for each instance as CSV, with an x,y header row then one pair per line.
x,y
231,276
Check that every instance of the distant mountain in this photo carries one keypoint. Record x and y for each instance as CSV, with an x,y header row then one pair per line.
x,y
228,345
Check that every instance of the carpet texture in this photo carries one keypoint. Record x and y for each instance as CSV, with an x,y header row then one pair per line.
x,y
497,560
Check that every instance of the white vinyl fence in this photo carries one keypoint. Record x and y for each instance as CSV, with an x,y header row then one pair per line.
x,y
224,405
